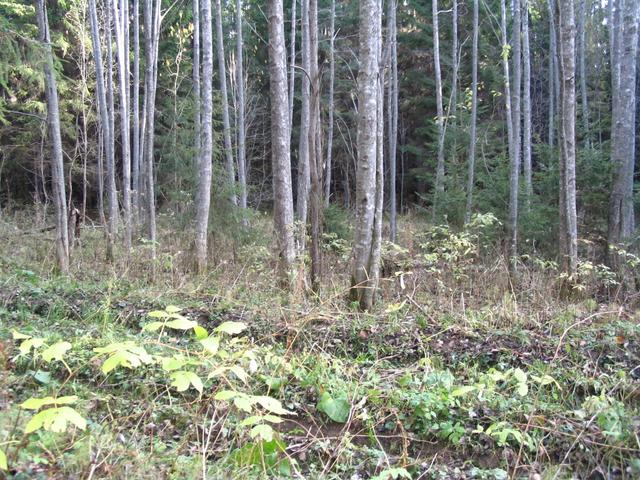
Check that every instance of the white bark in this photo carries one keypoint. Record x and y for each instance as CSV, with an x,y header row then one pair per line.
x,y
439,184
471,162
526,105
240,113
292,63
304,178
332,74
392,109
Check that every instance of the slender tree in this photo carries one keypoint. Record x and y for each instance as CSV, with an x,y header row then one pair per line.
x,y
624,51
304,178
392,109
568,216
197,96
105,128
526,105
331,107
203,200
292,63
135,99
226,123
53,120
240,108
439,185
471,162
582,59
366,241
280,155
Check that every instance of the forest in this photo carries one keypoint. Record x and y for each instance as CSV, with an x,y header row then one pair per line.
x,y
319,239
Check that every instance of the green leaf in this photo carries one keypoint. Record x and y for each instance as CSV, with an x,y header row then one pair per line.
x,y
36,403
158,314
201,332
3,461
173,363
183,378
182,324
239,372
243,403
247,422
172,309
19,336
272,405
152,327
263,431
211,344
231,328
55,420
522,389
519,375
460,391
26,346
226,395
125,354
56,351
337,409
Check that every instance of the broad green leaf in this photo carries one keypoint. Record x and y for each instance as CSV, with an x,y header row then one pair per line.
x,y
36,403
226,395
260,418
152,327
55,420
239,372
519,375
243,403
56,351
211,344
158,314
337,409
201,332
183,378
217,372
19,336
182,324
522,389
26,346
392,473
172,309
272,405
126,354
173,363
460,391
231,328
265,432
3,461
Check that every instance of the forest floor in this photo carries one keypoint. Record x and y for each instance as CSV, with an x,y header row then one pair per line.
x,y
141,370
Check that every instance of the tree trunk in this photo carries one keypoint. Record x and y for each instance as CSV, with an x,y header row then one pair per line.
x,y
304,179
135,200
197,96
392,109
315,151
526,105
106,134
112,190
568,216
514,163
226,123
552,75
280,155
582,54
292,63
365,269
474,115
53,119
332,74
240,113
439,185
621,209
203,200
123,82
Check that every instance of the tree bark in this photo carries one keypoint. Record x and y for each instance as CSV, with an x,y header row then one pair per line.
x,y
53,120
392,109
568,216
366,241
226,123
439,185
526,105
240,114
304,179
203,200
471,162
280,142
332,74
292,63
197,96
621,210
135,200
106,134
582,58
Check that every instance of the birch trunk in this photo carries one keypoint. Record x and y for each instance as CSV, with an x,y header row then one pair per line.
x,y
112,190
471,163
203,200
240,114
226,123
568,223
621,209
106,134
197,96
365,270
439,185
123,84
514,161
304,179
526,105
53,120
332,74
280,142
292,63
392,108
582,54
135,152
